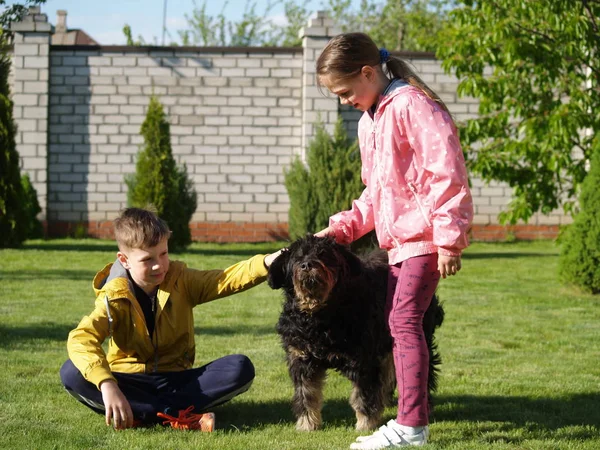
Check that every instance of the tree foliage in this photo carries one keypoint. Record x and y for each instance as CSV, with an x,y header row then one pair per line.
x,y
31,205
17,213
12,212
127,31
159,182
287,34
327,184
253,29
14,12
535,67
394,24
580,252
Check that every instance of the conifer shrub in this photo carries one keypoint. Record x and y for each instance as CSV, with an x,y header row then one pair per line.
x,y
31,205
579,262
328,182
12,214
158,181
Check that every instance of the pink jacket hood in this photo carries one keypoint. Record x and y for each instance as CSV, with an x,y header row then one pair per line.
x,y
417,196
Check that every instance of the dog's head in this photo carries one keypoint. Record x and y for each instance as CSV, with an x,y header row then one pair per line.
x,y
310,268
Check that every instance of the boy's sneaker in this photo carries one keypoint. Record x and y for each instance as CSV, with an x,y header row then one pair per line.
x,y
390,435
188,421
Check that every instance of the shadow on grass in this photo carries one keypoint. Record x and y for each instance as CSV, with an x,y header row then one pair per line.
x,y
494,418
577,409
247,416
508,255
34,275
31,334
264,247
234,329
537,416
71,247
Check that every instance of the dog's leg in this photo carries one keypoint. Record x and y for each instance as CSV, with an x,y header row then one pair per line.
x,y
308,378
433,318
367,399
388,380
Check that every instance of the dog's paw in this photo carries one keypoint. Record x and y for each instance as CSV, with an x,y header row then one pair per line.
x,y
365,423
305,423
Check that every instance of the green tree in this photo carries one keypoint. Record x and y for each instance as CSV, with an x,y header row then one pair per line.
x,y
327,184
287,34
158,181
12,213
535,68
206,30
129,37
14,12
253,29
31,205
580,249
394,24
14,225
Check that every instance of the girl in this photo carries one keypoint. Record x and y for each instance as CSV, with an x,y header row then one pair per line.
x,y
416,198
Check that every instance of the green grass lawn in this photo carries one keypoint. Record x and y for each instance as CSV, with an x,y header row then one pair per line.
x,y
521,356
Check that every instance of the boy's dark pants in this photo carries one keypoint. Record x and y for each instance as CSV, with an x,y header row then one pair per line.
x,y
148,393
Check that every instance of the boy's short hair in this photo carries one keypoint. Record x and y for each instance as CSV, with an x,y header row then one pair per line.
x,y
139,228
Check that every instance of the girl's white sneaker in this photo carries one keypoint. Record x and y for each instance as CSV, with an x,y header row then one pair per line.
x,y
390,435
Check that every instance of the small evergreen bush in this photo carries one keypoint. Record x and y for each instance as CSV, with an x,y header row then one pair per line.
x,y
31,205
12,213
580,252
159,182
327,185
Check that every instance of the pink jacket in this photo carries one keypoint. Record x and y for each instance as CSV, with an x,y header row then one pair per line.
x,y
417,196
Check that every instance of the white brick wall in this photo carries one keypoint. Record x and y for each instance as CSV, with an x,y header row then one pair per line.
x,y
29,88
238,118
235,116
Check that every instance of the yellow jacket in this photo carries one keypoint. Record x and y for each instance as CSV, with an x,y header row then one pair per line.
x,y
118,314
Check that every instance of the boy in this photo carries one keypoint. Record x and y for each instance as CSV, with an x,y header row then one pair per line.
x,y
144,305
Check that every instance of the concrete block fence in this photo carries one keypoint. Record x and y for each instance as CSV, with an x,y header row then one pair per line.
x,y
238,118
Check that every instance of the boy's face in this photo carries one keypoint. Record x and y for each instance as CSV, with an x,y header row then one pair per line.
x,y
147,266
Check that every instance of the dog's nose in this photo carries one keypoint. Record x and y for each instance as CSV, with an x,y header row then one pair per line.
x,y
304,266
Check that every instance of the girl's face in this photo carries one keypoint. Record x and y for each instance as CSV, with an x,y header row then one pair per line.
x,y
361,91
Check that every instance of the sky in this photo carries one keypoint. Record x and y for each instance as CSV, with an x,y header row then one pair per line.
x,y
104,20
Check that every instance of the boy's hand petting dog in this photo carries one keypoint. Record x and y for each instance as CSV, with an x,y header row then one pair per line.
x,y
448,265
272,257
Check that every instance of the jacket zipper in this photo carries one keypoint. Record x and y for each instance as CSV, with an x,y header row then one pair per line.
x,y
385,217
154,345
413,189
110,319
154,301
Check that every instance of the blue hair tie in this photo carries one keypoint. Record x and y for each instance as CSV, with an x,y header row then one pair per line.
x,y
384,56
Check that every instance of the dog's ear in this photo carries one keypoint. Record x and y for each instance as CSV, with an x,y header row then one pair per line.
x,y
278,271
353,262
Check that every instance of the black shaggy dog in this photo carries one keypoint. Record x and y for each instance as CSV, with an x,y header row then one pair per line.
x,y
333,318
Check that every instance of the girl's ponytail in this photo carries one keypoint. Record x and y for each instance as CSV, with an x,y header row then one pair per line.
x,y
397,68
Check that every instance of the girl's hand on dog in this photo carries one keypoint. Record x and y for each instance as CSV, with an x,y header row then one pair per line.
x,y
448,265
326,232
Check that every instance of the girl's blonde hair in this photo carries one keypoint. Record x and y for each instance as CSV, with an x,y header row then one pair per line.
x,y
346,54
